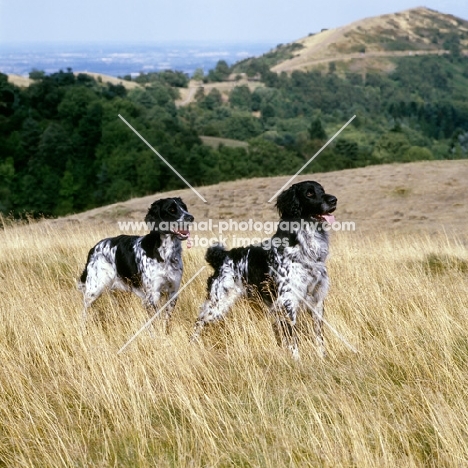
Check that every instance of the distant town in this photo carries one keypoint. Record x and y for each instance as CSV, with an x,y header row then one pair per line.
x,y
123,59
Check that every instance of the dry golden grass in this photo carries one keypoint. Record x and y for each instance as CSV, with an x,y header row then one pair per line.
x,y
68,399
19,80
187,95
24,82
111,79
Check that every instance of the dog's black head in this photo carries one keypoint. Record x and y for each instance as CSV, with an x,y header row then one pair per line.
x,y
306,200
170,215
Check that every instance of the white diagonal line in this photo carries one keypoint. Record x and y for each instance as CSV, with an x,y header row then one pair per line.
x,y
164,160
312,158
352,348
156,315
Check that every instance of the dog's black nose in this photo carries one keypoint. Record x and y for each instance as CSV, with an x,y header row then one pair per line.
x,y
189,218
332,200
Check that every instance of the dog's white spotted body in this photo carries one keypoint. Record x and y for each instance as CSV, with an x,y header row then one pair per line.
x,y
287,276
149,266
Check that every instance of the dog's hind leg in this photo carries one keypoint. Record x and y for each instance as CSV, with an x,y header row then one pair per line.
x,y
223,294
100,276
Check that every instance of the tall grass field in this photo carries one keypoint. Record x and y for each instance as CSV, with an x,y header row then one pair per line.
x,y
235,399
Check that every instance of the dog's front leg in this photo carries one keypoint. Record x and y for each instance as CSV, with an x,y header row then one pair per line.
x,y
317,316
170,306
318,328
285,332
315,306
151,302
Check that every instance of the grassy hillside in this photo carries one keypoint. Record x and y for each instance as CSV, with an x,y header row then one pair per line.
x,y
23,82
426,197
404,76
374,41
237,399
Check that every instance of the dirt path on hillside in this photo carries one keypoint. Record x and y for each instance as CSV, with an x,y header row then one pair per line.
x,y
362,55
192,89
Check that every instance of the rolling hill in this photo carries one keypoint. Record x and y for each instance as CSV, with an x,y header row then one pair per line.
x,y
371,43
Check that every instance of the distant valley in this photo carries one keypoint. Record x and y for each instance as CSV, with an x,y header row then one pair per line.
x,y
122,59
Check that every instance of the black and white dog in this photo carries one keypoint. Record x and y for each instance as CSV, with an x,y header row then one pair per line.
x,y
150,266
289,273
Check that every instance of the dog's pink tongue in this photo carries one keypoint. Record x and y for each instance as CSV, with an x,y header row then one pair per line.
x,y
189,242
329,218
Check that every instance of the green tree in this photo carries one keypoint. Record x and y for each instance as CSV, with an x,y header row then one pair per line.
x,y
74,104
148,173
266,158
316,130
198,74
241,97
256,100
220,73
452,44
241,127
55,148
212,100
30,134
67,191
391,147
268,111
7,174
348,149
35,74
417,153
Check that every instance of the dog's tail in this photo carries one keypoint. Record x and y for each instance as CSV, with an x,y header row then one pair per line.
x,y
80,284
215,255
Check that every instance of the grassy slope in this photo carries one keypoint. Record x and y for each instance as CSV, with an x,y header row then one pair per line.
x,y
24,82
238,400
412,197
415,31
187,95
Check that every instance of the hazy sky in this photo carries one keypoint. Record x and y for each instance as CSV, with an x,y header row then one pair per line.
x,y
204,20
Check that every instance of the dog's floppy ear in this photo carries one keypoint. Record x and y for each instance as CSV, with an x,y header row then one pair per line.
x,y
181,203
153,216
288,204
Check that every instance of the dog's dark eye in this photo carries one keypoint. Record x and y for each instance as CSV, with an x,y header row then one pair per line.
x,y
309,193
172,210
